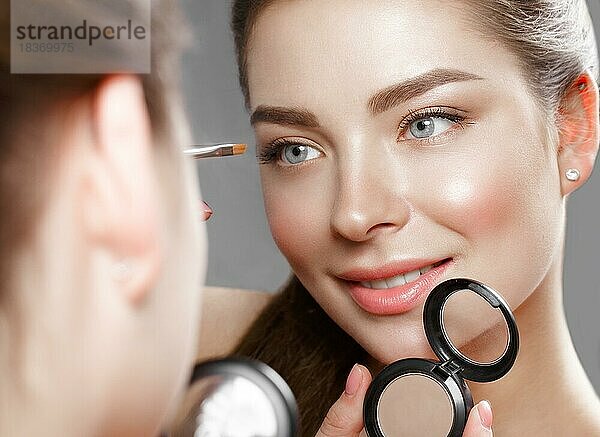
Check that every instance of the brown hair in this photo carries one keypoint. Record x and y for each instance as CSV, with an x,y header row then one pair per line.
x,y
28,156
554,43
310,351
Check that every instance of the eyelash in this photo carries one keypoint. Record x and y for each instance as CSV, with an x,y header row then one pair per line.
x,y
436,112
272,149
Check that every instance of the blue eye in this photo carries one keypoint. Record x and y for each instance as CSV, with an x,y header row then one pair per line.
x,y
298,153
426,127
287,152
428,123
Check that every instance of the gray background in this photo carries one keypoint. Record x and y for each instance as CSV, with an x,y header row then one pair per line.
x,y
242,252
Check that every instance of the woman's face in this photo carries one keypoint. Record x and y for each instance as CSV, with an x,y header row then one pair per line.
x,y
395,137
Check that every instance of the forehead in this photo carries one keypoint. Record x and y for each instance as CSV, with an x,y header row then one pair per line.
x,y
310,51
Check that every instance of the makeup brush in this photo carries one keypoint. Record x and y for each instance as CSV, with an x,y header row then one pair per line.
x,y
215,150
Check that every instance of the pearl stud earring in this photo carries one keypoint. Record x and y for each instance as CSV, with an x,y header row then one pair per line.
x,y
572,174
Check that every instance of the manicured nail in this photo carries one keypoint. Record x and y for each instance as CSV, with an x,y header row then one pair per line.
x,y
485,414
354,380
206,210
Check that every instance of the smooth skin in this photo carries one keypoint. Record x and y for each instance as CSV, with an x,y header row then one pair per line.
x,y
488,191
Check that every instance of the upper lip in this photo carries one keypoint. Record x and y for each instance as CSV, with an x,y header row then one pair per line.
x,y
386,271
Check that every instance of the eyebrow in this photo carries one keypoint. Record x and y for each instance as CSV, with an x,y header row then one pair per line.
x,y
402,92
382,101
284,116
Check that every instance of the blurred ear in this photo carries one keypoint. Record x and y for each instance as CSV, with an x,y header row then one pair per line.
x,y
120,200
578,136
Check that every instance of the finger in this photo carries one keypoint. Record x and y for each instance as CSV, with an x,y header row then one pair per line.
x,y
206,211
480,421
345,418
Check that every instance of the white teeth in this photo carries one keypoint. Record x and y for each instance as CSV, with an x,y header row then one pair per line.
x,y
398,280
411,276
379,284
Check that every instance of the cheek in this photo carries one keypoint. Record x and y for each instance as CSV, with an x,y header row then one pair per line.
x,y
296,219
475,201
506,210
481,195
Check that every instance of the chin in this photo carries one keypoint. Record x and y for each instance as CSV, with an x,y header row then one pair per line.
x,y
394,349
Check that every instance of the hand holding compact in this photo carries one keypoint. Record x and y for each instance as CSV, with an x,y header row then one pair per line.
x,y
345,418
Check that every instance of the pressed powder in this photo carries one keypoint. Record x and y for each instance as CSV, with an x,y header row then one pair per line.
x,y
415,405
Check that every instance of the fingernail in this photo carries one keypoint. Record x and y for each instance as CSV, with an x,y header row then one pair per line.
x,y
354,380
485,414
207,210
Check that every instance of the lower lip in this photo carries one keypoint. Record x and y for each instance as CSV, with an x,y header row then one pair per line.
x,y
399,299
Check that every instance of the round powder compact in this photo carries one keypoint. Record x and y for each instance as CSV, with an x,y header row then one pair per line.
x,y
418,397
237,397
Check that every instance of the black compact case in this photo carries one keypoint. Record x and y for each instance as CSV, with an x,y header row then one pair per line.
x,y
453,368
236,397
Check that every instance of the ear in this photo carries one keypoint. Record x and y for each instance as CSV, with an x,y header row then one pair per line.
x,y
578,135
120,200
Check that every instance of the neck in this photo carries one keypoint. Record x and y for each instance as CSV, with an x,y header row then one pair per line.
x,y
48,379
547,391
35,399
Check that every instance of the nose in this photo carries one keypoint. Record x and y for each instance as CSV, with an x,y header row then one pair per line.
x,y
369,199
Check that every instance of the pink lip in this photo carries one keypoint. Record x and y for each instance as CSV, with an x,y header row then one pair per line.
x,y
387,271
395,300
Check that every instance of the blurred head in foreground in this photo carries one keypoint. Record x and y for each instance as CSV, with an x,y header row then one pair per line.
x,y
102,251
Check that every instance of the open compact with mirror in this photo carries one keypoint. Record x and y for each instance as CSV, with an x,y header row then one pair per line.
x,y
473,332
236,397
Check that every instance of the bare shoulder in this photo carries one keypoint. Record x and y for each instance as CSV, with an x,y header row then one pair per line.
x,y
226,315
